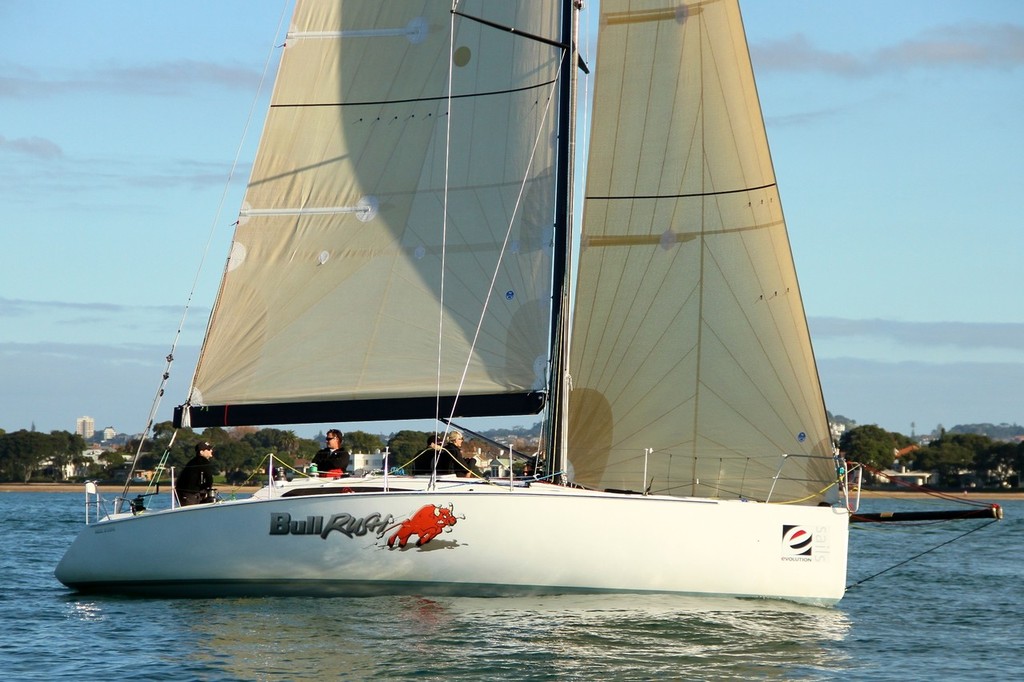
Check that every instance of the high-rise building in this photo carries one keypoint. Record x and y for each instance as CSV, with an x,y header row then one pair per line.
x,y
85,427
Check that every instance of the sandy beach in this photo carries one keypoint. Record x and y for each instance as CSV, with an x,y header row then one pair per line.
x,y
866,494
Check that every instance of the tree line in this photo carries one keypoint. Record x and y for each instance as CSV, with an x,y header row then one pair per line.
x,y
240,453
959,459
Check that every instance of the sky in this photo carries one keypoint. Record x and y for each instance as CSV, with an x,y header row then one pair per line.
x,y
895,130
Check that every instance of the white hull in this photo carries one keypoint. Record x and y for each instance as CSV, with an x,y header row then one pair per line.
x,y
540,538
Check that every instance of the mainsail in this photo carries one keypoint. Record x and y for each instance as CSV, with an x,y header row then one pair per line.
x,y
689,333
403,186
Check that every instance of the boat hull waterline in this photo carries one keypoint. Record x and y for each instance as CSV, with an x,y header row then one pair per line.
x,y
357,538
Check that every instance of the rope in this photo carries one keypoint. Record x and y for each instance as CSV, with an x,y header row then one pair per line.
x,y
444,218
169,359
812,495
917,556
921,489
437,457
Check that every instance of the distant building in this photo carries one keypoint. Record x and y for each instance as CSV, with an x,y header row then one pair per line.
x,y
109,433
362,461
81,469
905,477
85,427
498,467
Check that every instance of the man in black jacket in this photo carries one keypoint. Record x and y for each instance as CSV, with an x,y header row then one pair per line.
x,y
334,457
195,482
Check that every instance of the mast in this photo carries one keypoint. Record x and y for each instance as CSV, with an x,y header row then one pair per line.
x,y
557,441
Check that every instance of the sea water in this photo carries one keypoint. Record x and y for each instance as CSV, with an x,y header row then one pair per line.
x,y
952,613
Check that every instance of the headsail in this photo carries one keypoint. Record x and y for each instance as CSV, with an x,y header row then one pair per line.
x,y
689,330
398,156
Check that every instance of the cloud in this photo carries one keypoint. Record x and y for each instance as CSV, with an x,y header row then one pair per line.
x,y
798,54
13,307
970,45
894,373
81,178
163,78
51,384
897,395
174,77
38,323
979,45
962,335
38,147
191,175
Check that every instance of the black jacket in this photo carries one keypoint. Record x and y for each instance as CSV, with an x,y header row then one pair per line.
x,y
447,461
195,481
328,459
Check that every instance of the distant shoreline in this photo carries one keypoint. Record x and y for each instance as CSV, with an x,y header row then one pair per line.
x,y
80,488
865,494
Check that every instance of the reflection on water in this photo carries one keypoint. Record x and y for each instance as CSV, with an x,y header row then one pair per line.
x,y
585,637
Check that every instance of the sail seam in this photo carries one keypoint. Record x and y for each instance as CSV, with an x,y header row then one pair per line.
x,y
437,98
723,192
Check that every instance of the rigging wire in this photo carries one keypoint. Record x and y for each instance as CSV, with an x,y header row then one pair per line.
x,y
932,493
444,232
444,242
199,270
913,487
919,555
504,246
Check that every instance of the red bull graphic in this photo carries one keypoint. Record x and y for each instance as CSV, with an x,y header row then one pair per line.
x,y
427,523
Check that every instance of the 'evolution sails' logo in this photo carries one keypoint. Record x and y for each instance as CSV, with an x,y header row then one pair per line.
x,y
281,523
797,543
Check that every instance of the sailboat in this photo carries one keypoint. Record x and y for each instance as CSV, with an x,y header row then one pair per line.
x,y
409,248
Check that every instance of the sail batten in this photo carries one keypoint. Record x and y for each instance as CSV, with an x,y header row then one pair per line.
x,y
324,210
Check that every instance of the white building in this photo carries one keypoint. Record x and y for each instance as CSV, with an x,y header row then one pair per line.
x,y
85,427
367,462
72,470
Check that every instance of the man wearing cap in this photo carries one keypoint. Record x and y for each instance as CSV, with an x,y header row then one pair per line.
x,y
195,483
332,460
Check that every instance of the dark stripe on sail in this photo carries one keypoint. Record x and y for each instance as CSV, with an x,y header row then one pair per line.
x,y
678,196
381,409
433,98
